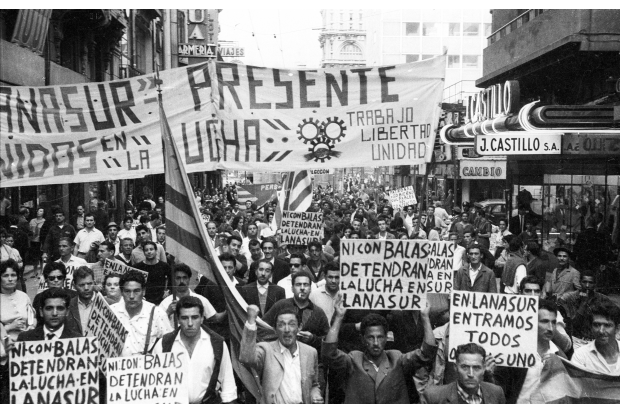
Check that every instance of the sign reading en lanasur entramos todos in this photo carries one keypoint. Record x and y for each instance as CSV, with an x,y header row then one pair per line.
x,y
505,325
394,274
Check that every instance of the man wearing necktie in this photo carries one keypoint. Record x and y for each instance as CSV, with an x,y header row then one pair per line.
x,y
53,311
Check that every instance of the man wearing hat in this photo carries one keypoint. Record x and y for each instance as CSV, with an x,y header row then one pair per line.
x,y
112,231
564,278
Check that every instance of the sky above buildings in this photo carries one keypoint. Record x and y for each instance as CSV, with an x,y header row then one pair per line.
x,y
274,37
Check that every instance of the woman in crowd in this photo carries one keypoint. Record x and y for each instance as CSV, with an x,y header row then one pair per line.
x,y
16,312
112,289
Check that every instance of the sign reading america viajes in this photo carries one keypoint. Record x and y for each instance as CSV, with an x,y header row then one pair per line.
x,y
224,116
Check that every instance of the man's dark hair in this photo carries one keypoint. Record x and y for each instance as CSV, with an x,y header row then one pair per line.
x,y
55,293
331,266
302,257
316,244
587,273
234,237
113,275
481,212
533,248
145,243
470,348
547,305
264,261
227,256
89,214
604,309
515,244
127,218
530,279
69,240
58,210
382,218
505,221
133,276
109,245
189,302
142,227
81,273
373,320
271,240
53,266
154,216
182,267
289,310
302,273
470,231
473,246
253,243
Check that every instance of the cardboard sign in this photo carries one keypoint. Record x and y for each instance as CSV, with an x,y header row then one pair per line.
x,y
68,280
505,325
151,378
299,228
394,274
55,372
116,266
104,325
402,197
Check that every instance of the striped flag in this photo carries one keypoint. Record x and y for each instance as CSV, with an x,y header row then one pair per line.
x,y
186,239
297,192
562,381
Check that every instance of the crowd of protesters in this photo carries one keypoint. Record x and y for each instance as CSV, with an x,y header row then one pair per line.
x,y
361,356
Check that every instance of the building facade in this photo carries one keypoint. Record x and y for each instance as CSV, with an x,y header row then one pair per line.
x,y
342,38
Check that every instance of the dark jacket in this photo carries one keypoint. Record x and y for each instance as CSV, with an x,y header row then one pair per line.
x,y
37,333
73,317
448,394
280,270
484,282
50,245
250,295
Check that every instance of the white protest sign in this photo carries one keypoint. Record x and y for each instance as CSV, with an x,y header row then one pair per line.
x,y
394,274
402,197
55,372
505,325
116,266
151,378
299,228
104,325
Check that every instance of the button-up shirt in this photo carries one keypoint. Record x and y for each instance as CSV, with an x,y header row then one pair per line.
x,y
85,238
532,378
469,398
473,274
138,326
589,357
57,333
324,300
201,364
290,388
84,310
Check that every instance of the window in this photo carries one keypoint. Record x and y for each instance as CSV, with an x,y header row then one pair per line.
x,y
412,29
181,27
471,29
410,58
351,51
454,29
470,61
487,29
454,62
429,29
391,29
427,56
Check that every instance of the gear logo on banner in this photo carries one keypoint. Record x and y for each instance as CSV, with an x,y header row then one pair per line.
x,y
322,136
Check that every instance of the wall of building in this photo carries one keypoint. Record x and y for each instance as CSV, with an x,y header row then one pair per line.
x,y
343,38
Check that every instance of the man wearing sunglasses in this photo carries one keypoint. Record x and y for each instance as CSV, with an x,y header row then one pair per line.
x,y
54,274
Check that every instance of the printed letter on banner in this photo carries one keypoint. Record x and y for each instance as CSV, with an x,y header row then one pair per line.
x,y
394,274
505,325
55,372
299,228
151,378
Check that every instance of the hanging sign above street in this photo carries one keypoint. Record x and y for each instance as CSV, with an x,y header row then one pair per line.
x,y
197,50
518,144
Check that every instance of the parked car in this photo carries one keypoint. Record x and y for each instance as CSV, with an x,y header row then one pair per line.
x,y
495,209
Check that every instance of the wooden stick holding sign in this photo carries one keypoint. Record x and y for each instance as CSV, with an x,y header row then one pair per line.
x,y
505,325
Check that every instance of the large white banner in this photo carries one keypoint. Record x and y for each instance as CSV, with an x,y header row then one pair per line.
x,y
223,116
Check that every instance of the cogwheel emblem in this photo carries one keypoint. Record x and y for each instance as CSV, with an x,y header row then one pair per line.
x,y
321,149
333,129
309,130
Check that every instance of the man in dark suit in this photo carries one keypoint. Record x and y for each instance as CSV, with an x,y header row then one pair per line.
x,y
81,306
516,224
53,312
280,268
262,293
78,220
469,387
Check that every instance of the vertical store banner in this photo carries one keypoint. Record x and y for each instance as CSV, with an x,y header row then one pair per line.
x,y
224,116
55,372
394,274
505,325
150,378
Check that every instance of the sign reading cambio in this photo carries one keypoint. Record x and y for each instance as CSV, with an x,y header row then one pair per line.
x,y
402,197
299,228
505,325
518,144
394,274
483,169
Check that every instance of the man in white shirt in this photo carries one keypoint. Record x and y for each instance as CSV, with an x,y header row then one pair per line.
x,y
459,252
113,236
325,296
383,226
212,232
135,314
603,354
181,276
204,352
128,231
87,236
441,215
520,383
65,247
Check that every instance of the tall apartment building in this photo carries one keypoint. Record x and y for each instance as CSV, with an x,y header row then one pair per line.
x,y
410,35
